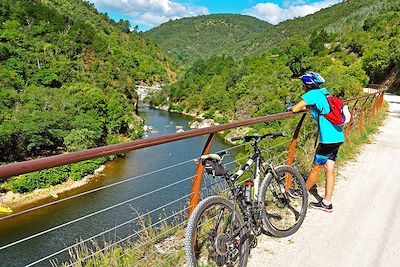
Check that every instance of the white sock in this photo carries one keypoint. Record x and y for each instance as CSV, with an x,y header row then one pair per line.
x,y
326,202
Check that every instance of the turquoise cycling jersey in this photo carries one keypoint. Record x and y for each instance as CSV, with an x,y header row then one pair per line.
x,y
329,133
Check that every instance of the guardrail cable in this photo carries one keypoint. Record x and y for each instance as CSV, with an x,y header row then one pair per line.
x,y
147,256
125,239
111,229
97,189
94,213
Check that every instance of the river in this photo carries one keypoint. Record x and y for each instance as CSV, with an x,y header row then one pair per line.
x,y
134,164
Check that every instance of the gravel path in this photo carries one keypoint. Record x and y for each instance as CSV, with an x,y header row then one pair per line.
x,y
364,228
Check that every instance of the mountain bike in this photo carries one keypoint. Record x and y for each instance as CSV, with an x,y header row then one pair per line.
x,y
221,231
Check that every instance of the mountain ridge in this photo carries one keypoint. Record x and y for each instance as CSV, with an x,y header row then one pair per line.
x,y
203,33
347,12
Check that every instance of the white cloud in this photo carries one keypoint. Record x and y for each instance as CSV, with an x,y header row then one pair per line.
x,y
274,14
150,12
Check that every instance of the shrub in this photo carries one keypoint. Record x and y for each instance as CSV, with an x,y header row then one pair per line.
x,y
84,168
40,179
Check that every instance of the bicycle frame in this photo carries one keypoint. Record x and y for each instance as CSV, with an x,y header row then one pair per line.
x,y
256,159
247,217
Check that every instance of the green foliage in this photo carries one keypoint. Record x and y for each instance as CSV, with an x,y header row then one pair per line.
x,y
45,178
41,179
188,39
119,110
68,76
344,82
376,59
83,168
137,134
205,36
318,40
80,139
298,53
363,48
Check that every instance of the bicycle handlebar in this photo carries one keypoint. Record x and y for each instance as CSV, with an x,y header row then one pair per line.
x,y
258,137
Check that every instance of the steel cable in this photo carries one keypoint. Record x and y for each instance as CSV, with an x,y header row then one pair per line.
x,y
95,190
92,214
124,239
109,230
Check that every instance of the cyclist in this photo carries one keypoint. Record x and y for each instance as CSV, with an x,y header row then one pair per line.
x,y
330,137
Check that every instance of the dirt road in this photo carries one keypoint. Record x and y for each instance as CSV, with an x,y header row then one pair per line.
x,y
364,228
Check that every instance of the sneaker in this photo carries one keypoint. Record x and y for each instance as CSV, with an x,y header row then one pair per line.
x,y
321,206
295,193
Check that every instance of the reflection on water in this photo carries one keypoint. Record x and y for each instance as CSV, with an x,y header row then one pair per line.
x,y
133,165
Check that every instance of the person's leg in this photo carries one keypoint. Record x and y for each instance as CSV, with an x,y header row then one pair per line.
x,y
330,179
313,176
310,182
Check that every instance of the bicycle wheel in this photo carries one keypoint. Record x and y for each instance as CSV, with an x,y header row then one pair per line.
x,y
282,215
215,235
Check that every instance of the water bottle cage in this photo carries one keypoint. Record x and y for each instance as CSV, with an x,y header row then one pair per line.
x,y
211,166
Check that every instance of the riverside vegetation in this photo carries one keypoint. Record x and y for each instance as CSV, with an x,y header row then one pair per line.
x,y
66,86
67,83
68,73
225,86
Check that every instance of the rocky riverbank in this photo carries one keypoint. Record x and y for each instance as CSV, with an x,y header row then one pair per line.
x,y
202,122
17,201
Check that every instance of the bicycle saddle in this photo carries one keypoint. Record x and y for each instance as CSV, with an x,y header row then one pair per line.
x,y
211,156
216,156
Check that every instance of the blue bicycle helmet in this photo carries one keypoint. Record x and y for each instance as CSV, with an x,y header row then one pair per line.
x,y
312,80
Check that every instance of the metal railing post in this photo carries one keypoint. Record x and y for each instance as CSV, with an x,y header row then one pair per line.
x,y
380,103
292,148
374,106
361,116
198,176
347,129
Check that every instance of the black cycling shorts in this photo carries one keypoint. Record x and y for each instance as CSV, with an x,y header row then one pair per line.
x,y
325,152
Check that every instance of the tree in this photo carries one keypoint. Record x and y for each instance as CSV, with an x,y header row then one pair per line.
x,y
80,139
318,40
125,25
376,60
297,58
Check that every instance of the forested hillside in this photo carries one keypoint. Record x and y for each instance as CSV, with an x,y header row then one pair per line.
x,y
341,19
364,49
204,36
68,76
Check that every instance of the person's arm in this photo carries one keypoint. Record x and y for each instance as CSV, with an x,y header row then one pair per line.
x,y
299,106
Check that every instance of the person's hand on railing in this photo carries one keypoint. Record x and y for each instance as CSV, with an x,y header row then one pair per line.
x,y
288,106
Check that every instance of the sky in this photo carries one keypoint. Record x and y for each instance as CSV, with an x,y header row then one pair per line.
x,y
151,13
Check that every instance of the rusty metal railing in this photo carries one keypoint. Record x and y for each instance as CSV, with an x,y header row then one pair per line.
x,y
18,168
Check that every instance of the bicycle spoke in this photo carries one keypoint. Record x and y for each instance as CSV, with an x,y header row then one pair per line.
x,y
217,235
283,214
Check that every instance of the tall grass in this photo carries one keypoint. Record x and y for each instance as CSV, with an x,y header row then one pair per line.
x,y
160,246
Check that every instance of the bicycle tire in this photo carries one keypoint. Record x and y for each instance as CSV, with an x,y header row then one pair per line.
x,y
193,225
270,221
